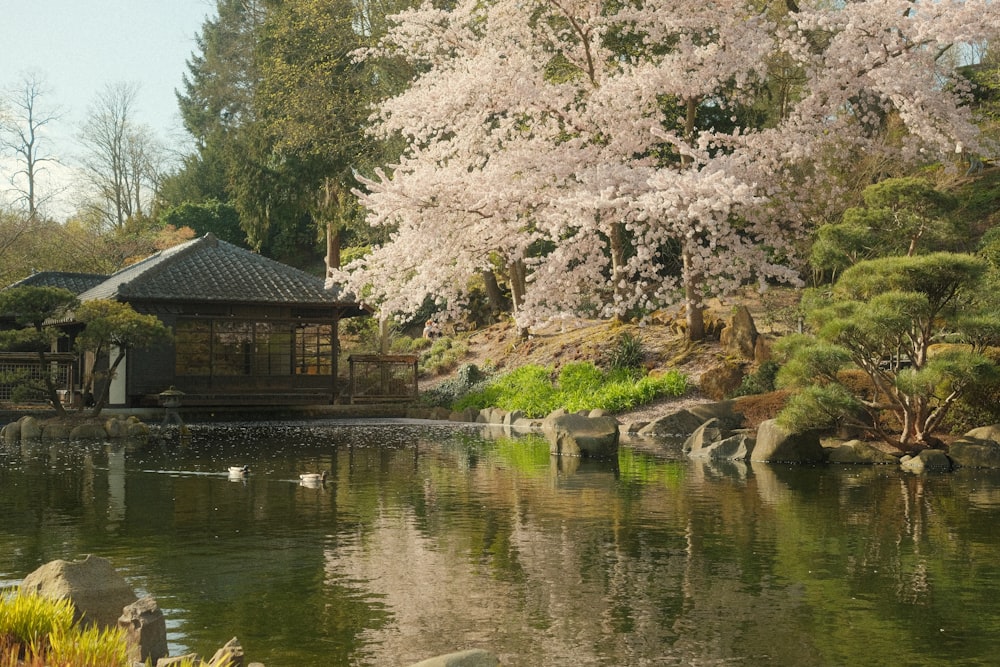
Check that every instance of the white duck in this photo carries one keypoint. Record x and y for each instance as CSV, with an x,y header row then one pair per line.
x,y
313,477
238,471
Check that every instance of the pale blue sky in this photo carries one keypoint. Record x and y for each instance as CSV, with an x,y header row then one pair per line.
x,y
79,46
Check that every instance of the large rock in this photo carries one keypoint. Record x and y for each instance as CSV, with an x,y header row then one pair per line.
x,y
179,660
88,431
929,460
715,440
678,424
31,429
116,428
98,593
56,431
736,447
858,452
145,630
576,435
979,448
721,379
230,655
703,436
778,445
11,433
471,658
739,338
724,411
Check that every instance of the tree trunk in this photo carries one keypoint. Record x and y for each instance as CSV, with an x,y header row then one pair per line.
x,y
693,313
101,398
616,238
50,386
518,286
332,246
493,293
692,299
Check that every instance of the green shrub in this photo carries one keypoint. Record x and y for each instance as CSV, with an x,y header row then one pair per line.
x,y
627,352
39,631
443,355
528,388
405,345
760,381
469,379
579,386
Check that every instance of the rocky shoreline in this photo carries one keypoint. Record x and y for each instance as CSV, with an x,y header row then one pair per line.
x,y
101,597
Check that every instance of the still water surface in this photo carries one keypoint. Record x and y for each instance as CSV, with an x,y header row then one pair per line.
x,y
428,539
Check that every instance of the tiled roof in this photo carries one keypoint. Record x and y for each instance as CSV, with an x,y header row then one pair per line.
x,y
77,283
207,269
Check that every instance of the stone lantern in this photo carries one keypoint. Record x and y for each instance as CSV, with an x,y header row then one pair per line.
x,y
171,400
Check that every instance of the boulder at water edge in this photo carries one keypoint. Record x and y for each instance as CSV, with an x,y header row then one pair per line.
x,y
678,424
856,451
577,435
929,460
145,630
712,440
780,446
97,591
979,448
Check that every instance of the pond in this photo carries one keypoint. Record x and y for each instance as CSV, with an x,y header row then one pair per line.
x,y
427,539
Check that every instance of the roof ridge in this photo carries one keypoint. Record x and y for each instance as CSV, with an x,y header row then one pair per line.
x,y
159,263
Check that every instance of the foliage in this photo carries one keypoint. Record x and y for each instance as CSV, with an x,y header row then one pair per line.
x,y
626,352
121,159
887,317
276,104
112,324
818,407
899,216
39,631
529,389
31,307
24,134
443,355
610,159
469,379
578,386
212,216
761,381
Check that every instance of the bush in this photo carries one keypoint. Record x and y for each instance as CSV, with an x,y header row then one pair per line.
x,y
760,381
469,379
443,355
39,631
579,386
627,353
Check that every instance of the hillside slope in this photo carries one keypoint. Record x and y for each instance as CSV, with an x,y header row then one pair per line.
x,y
664,346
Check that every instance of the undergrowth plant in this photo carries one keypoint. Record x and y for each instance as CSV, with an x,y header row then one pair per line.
x,y
627,353
40,632
442,356
536,391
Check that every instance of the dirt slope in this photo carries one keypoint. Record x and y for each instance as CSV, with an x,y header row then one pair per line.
x,y
665,348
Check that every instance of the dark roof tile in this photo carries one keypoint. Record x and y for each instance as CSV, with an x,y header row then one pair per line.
x,y
207,269
77,283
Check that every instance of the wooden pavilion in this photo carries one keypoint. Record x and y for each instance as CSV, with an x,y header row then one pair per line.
x,y
247,330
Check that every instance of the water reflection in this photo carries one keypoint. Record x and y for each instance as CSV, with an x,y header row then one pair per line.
x,y
425,540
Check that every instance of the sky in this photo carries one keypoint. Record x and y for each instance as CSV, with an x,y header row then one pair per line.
x,y
77,47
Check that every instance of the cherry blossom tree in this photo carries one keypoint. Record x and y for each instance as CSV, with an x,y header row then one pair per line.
x,y
615,156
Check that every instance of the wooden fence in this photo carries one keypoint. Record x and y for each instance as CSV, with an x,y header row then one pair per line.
x,y
381,378
21,369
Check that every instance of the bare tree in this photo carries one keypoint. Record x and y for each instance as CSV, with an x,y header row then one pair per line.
x,y
122,156
22,135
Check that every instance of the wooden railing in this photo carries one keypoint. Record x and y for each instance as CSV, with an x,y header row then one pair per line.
x,y
23,368
382,378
